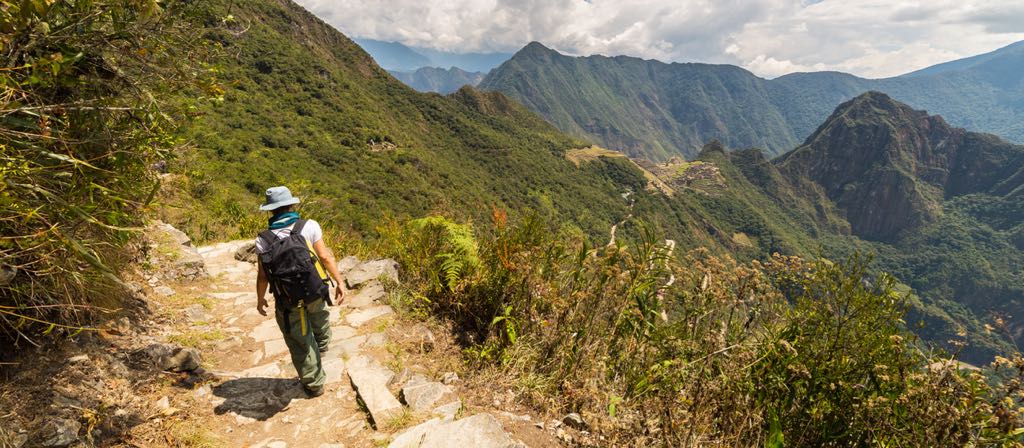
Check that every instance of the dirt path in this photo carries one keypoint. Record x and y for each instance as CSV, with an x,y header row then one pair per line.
x,y
258,402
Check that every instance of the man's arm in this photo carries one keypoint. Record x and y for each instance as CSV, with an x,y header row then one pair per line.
x,y
261,289
332,268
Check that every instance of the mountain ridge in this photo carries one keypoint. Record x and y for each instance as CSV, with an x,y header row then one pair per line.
x,y
681,108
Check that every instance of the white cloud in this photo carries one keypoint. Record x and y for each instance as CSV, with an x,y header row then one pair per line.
x,y
872,38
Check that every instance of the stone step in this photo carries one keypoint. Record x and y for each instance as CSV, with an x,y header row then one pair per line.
x,y
370,293
370,379
358,318
480,430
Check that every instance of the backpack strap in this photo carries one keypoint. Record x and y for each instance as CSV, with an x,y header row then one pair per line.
x,y
297,228
268,236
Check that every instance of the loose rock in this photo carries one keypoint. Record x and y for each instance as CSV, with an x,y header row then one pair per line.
x,y
184,360
450,378
425,339
370,380
164,290
57,432
174,358
421,397
448,411
79,358
7,274
197,313
574,421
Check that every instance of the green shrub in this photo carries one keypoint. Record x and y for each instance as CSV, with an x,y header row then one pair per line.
x,y
702,350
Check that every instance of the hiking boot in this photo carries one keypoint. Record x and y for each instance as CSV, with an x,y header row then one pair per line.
x,y
324,350
313,393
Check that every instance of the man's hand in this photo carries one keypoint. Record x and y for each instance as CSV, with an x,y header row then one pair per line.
x,y
261,306
339,295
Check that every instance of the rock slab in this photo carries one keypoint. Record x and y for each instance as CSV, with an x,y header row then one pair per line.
x,y
422,397
482,430
370,292
358,318
370,379
372,270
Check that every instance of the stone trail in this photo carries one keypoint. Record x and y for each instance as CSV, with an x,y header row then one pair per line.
x,y
258,401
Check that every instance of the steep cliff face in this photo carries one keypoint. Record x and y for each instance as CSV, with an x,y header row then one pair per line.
x,y
890,167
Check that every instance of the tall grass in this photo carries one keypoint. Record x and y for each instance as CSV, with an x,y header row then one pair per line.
x,y
702,350
84,114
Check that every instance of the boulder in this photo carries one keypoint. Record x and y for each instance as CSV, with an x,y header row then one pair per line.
x,y
247,252
57,432
372,270
173,254
173,358
348,263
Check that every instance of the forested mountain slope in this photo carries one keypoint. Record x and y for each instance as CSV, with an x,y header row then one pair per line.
x,y
307,107
655,110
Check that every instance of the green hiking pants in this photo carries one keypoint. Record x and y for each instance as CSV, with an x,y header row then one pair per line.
x,y
305,348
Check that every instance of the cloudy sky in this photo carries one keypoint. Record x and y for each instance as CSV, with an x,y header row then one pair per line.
x,y
872,38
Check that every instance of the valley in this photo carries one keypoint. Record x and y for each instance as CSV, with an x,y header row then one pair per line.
x,y
609,251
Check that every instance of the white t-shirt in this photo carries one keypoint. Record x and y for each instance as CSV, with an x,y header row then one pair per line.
x,y
311,231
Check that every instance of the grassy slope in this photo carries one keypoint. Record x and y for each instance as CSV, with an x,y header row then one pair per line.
x,y
303,104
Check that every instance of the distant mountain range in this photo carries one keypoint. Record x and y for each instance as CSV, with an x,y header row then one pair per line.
x,y
440,80
656,110
429,70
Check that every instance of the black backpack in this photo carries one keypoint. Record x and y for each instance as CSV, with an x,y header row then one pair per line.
x,y
295,273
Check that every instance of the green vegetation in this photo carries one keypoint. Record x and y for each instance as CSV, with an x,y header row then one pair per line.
x,y
306,107
653,349
809,354
644,108
656,111
84,111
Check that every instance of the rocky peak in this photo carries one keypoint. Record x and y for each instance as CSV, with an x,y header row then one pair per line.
x,y
889,167
535,50
882,162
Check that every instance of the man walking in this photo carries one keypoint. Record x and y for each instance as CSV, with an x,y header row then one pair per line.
x,y
297,266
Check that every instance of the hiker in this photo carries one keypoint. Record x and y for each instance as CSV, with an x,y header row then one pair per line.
x,y
297,266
